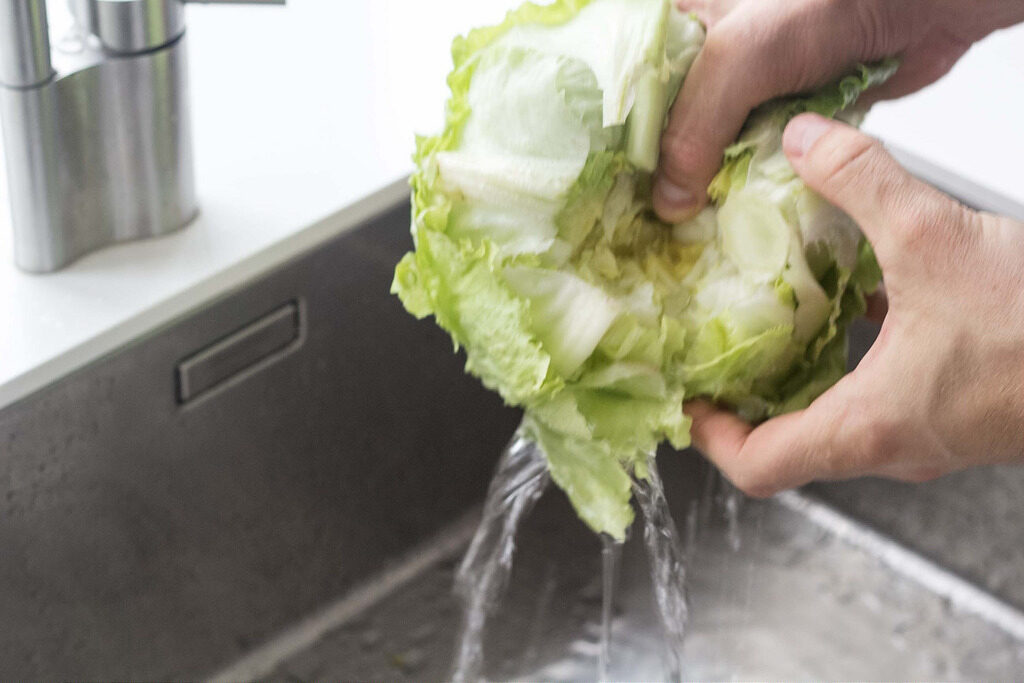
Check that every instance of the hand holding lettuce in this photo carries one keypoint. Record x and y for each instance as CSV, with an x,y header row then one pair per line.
x,y
940,390
538,250
758,50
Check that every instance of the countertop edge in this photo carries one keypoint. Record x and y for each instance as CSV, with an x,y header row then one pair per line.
x,y
164,312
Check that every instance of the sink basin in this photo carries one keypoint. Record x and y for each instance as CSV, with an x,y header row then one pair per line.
x,y
791,592
210,502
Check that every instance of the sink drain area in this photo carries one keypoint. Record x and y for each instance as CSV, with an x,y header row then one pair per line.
x,y
809,593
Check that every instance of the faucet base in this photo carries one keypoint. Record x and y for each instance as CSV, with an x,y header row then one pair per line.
x,y
98,156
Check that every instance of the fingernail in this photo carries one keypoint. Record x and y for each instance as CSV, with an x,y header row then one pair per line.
x,y
802,132
674,203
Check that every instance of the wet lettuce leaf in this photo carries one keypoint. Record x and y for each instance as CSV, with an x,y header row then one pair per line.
x,y
537,249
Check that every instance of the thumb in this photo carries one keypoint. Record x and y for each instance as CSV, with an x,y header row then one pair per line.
x,y
792,449
853,171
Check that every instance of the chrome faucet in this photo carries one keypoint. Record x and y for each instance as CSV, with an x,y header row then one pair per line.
x,y
96,134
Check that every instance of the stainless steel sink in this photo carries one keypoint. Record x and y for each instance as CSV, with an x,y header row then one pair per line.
x,y
296,510
804,595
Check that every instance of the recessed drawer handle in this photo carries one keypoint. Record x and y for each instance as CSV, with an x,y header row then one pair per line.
x,y
241,353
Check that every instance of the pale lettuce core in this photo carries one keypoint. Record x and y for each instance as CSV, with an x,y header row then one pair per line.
x,y
538,251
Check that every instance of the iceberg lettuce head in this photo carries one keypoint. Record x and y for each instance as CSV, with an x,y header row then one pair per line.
x,y
537,249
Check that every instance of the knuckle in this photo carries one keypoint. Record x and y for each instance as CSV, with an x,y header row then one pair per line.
x,y
718,46
965,228
848,158
958,227
857,169
910,227
923,219
682,156
872,21
756,60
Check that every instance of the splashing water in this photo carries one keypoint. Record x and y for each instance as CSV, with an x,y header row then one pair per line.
x,y
519,481
732,505
668,565
708,497
719,496
611,555
692,526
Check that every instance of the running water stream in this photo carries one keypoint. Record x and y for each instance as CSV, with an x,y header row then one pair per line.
x,y
611,556
667,565
731,506
519,481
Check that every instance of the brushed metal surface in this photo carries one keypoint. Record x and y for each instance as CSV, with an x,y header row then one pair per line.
x,y
99,155
797,600
98,150
147,540
236,2
241,353
24,43
130,26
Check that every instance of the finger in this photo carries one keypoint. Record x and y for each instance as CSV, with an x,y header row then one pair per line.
x,y
825,441
716,431
730,443
715,100
920,67
752,54
854,172
759,461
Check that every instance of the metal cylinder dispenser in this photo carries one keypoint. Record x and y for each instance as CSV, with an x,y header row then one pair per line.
x,y
97,138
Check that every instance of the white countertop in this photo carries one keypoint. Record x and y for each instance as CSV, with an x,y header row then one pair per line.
x,y
301,112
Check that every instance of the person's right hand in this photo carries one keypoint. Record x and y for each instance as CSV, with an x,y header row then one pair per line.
x,y
942,388
760,49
